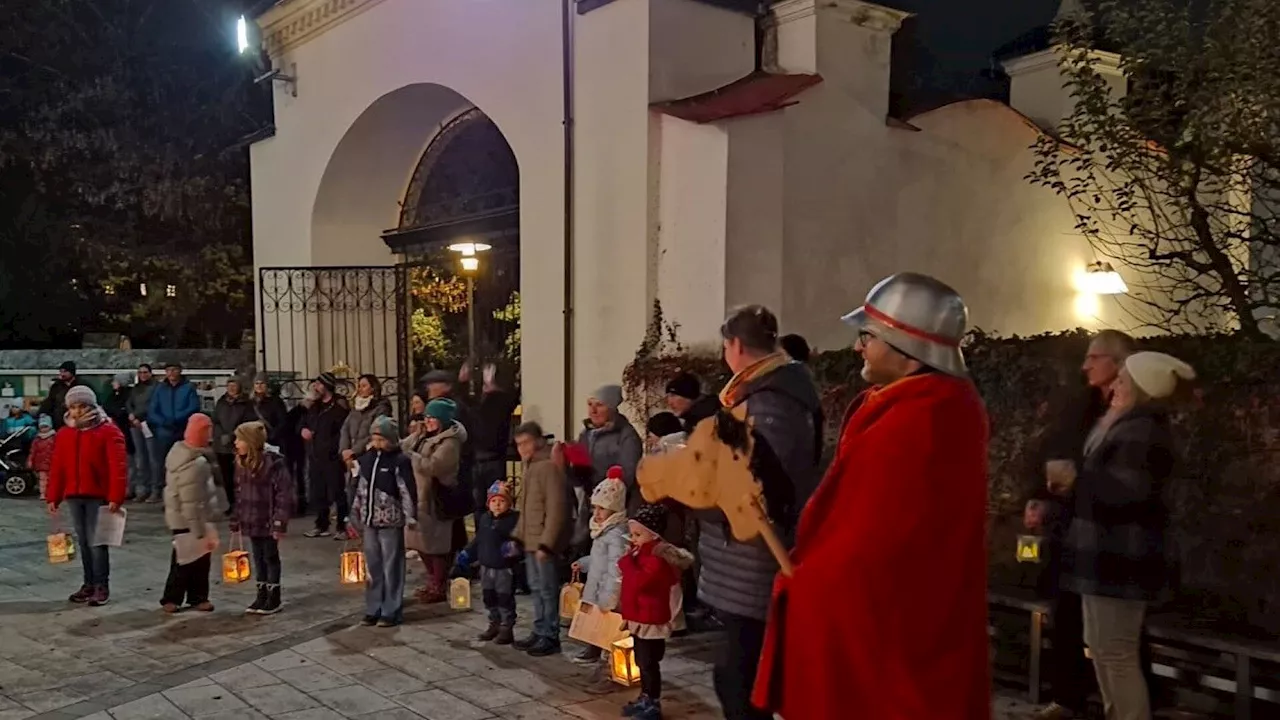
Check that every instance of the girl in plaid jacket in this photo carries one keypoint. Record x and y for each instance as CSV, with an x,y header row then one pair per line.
x,y
264,503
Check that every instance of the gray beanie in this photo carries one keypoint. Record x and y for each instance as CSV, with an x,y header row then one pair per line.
x,y
609,395
81,395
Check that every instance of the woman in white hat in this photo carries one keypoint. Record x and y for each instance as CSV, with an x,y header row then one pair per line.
x,y
1114,552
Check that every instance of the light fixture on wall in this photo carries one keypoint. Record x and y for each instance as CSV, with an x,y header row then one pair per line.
x,y
470,261
246,35
1102,279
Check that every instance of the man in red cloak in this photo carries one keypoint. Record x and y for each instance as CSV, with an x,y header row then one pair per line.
x,y
885,614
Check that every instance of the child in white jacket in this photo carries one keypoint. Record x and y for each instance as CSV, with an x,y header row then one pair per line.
x,y
609,541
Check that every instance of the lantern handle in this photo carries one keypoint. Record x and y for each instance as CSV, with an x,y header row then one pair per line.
x,y
237,541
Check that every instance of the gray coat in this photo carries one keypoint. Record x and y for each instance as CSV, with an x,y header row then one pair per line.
x,y
604,577
617,443
358,426
140,399
735,577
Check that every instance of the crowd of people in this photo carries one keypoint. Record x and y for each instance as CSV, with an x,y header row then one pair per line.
x,y
896,524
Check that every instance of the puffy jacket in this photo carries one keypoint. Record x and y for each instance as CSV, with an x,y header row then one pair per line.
x,y
228,414
357,428
89,463
649,572
139,404
188,471
492,533
543,504
384,497
171,407
604,578
23,422
264,498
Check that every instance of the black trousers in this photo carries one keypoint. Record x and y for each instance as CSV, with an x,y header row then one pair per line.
x,y
297,466
187,582
266,559
328,487
649,654
227,466
737,660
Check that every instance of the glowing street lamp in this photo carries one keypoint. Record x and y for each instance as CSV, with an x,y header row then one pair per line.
x,y
1102,279
470,261
242,34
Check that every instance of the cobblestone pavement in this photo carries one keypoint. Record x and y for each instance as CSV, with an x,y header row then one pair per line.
x,y
129,661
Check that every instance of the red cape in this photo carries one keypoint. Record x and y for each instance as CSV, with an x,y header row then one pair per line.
x,y
885,615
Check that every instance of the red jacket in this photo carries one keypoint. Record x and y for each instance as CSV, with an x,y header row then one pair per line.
x,y
885,614
89,463
647,579
41,457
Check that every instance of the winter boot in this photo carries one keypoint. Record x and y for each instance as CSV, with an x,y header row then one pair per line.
x,y
545,647
83,595
101,596
260,602
489,634
505,636
273,604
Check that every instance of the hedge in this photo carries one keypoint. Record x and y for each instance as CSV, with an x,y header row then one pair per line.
x,y
1224,505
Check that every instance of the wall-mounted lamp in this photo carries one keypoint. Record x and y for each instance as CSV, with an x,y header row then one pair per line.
x,y
275,75
1101,278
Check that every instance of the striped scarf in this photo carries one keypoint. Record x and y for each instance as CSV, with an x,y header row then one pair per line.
x,y
733,393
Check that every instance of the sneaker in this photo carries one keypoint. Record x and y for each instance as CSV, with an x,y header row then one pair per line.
x,y
505,637
490,634
101,596
341,535
369,620
259,603
1053,711
316,533
205,606
635,707
651,711
83,595
525,643
388,623
545,647
589,655
273,604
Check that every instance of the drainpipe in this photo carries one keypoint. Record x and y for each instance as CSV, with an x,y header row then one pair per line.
x,y
566,39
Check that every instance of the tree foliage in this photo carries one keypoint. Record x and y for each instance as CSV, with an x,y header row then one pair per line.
x,y
1177,179
127,122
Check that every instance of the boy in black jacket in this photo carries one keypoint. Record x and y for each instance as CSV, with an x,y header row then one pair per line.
x,y
497,554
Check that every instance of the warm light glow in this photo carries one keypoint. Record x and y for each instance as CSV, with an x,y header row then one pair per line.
x,y
142,289
470,264
171,291
1087,306
622,662
1102,279
242,34
469,249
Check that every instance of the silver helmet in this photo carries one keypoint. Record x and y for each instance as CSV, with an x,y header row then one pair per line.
x,y
918,315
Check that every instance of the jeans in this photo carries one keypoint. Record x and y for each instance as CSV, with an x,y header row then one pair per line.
x,y
1113,632
147,473
545,584
189,582
384,557
498,586
649,654
162,443
266,559
95,560
736,662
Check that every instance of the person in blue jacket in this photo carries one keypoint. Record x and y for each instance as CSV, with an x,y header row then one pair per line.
x,y
173,402
20,419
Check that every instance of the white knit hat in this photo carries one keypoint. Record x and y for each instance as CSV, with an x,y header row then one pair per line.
x,y
610,494
80,395
1157,374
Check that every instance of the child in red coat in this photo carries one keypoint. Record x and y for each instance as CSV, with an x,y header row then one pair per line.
x,y
41,457
650,600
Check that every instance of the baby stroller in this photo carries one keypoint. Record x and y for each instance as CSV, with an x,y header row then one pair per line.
x,y
19,478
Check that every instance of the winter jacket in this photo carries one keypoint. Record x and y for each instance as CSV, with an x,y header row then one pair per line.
x,y
55,403
358,425
493,424
702,408
23,422
139,404
325,420
492,534
171,407
264,498
116,406
543,504
617,443
41,457
1115,547
228,414
604,577
188,472
291,442
270,410
435,461
649,572
383,498
89,463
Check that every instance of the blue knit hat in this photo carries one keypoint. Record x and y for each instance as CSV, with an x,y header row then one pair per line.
x,y
442,409
45,422
385,427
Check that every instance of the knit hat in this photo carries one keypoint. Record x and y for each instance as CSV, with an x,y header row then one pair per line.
x,y
442,409
123,379
261,378
663,424
685,385
45,422
438,377
611,493
653,517
609,395
254,434
199,431
386,427
1157,374
329,380
498,489
81,395
68,366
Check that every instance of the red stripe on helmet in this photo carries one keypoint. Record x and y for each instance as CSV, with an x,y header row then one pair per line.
x,y
902,327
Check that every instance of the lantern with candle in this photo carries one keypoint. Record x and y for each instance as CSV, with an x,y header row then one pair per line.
x,y
1029,548
235,564
622,662
460,594
61,547
353,567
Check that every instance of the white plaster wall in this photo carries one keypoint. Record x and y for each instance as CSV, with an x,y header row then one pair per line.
x,y
501,55
696,48
1038,88
756,212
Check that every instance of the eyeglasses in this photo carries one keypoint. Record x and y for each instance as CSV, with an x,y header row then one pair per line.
x,y
864,338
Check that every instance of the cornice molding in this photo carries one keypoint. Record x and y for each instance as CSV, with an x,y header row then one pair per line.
x,y
863,14
291,23
1106,63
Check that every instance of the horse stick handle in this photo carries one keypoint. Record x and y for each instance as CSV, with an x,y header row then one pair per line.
x,y
771,540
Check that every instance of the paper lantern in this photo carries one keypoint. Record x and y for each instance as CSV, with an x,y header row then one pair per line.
x,y
570,599
1029,548
353,567
235,567
460,594
622,663
62,547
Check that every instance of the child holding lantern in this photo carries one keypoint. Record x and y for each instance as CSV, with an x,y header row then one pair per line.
x,y
651,599
498,554
609,541
383,506
264,503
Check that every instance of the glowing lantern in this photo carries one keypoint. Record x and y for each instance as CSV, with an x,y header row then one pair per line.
x,y
570,599
1029,548
460,594
622,663
353,567
235,564
62,548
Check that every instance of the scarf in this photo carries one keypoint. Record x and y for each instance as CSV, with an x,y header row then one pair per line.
x,y
599,528
732,394
362,403
46,433
88,421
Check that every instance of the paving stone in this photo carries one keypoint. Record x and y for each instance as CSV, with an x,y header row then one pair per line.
x,y
483,693
204,699
353,700
313,677
390,682
151,707
319,713
532,711
414,663
277,699
440,705
244,677
283,660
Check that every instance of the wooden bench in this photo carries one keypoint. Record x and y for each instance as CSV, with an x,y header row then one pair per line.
x,y
1038,612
